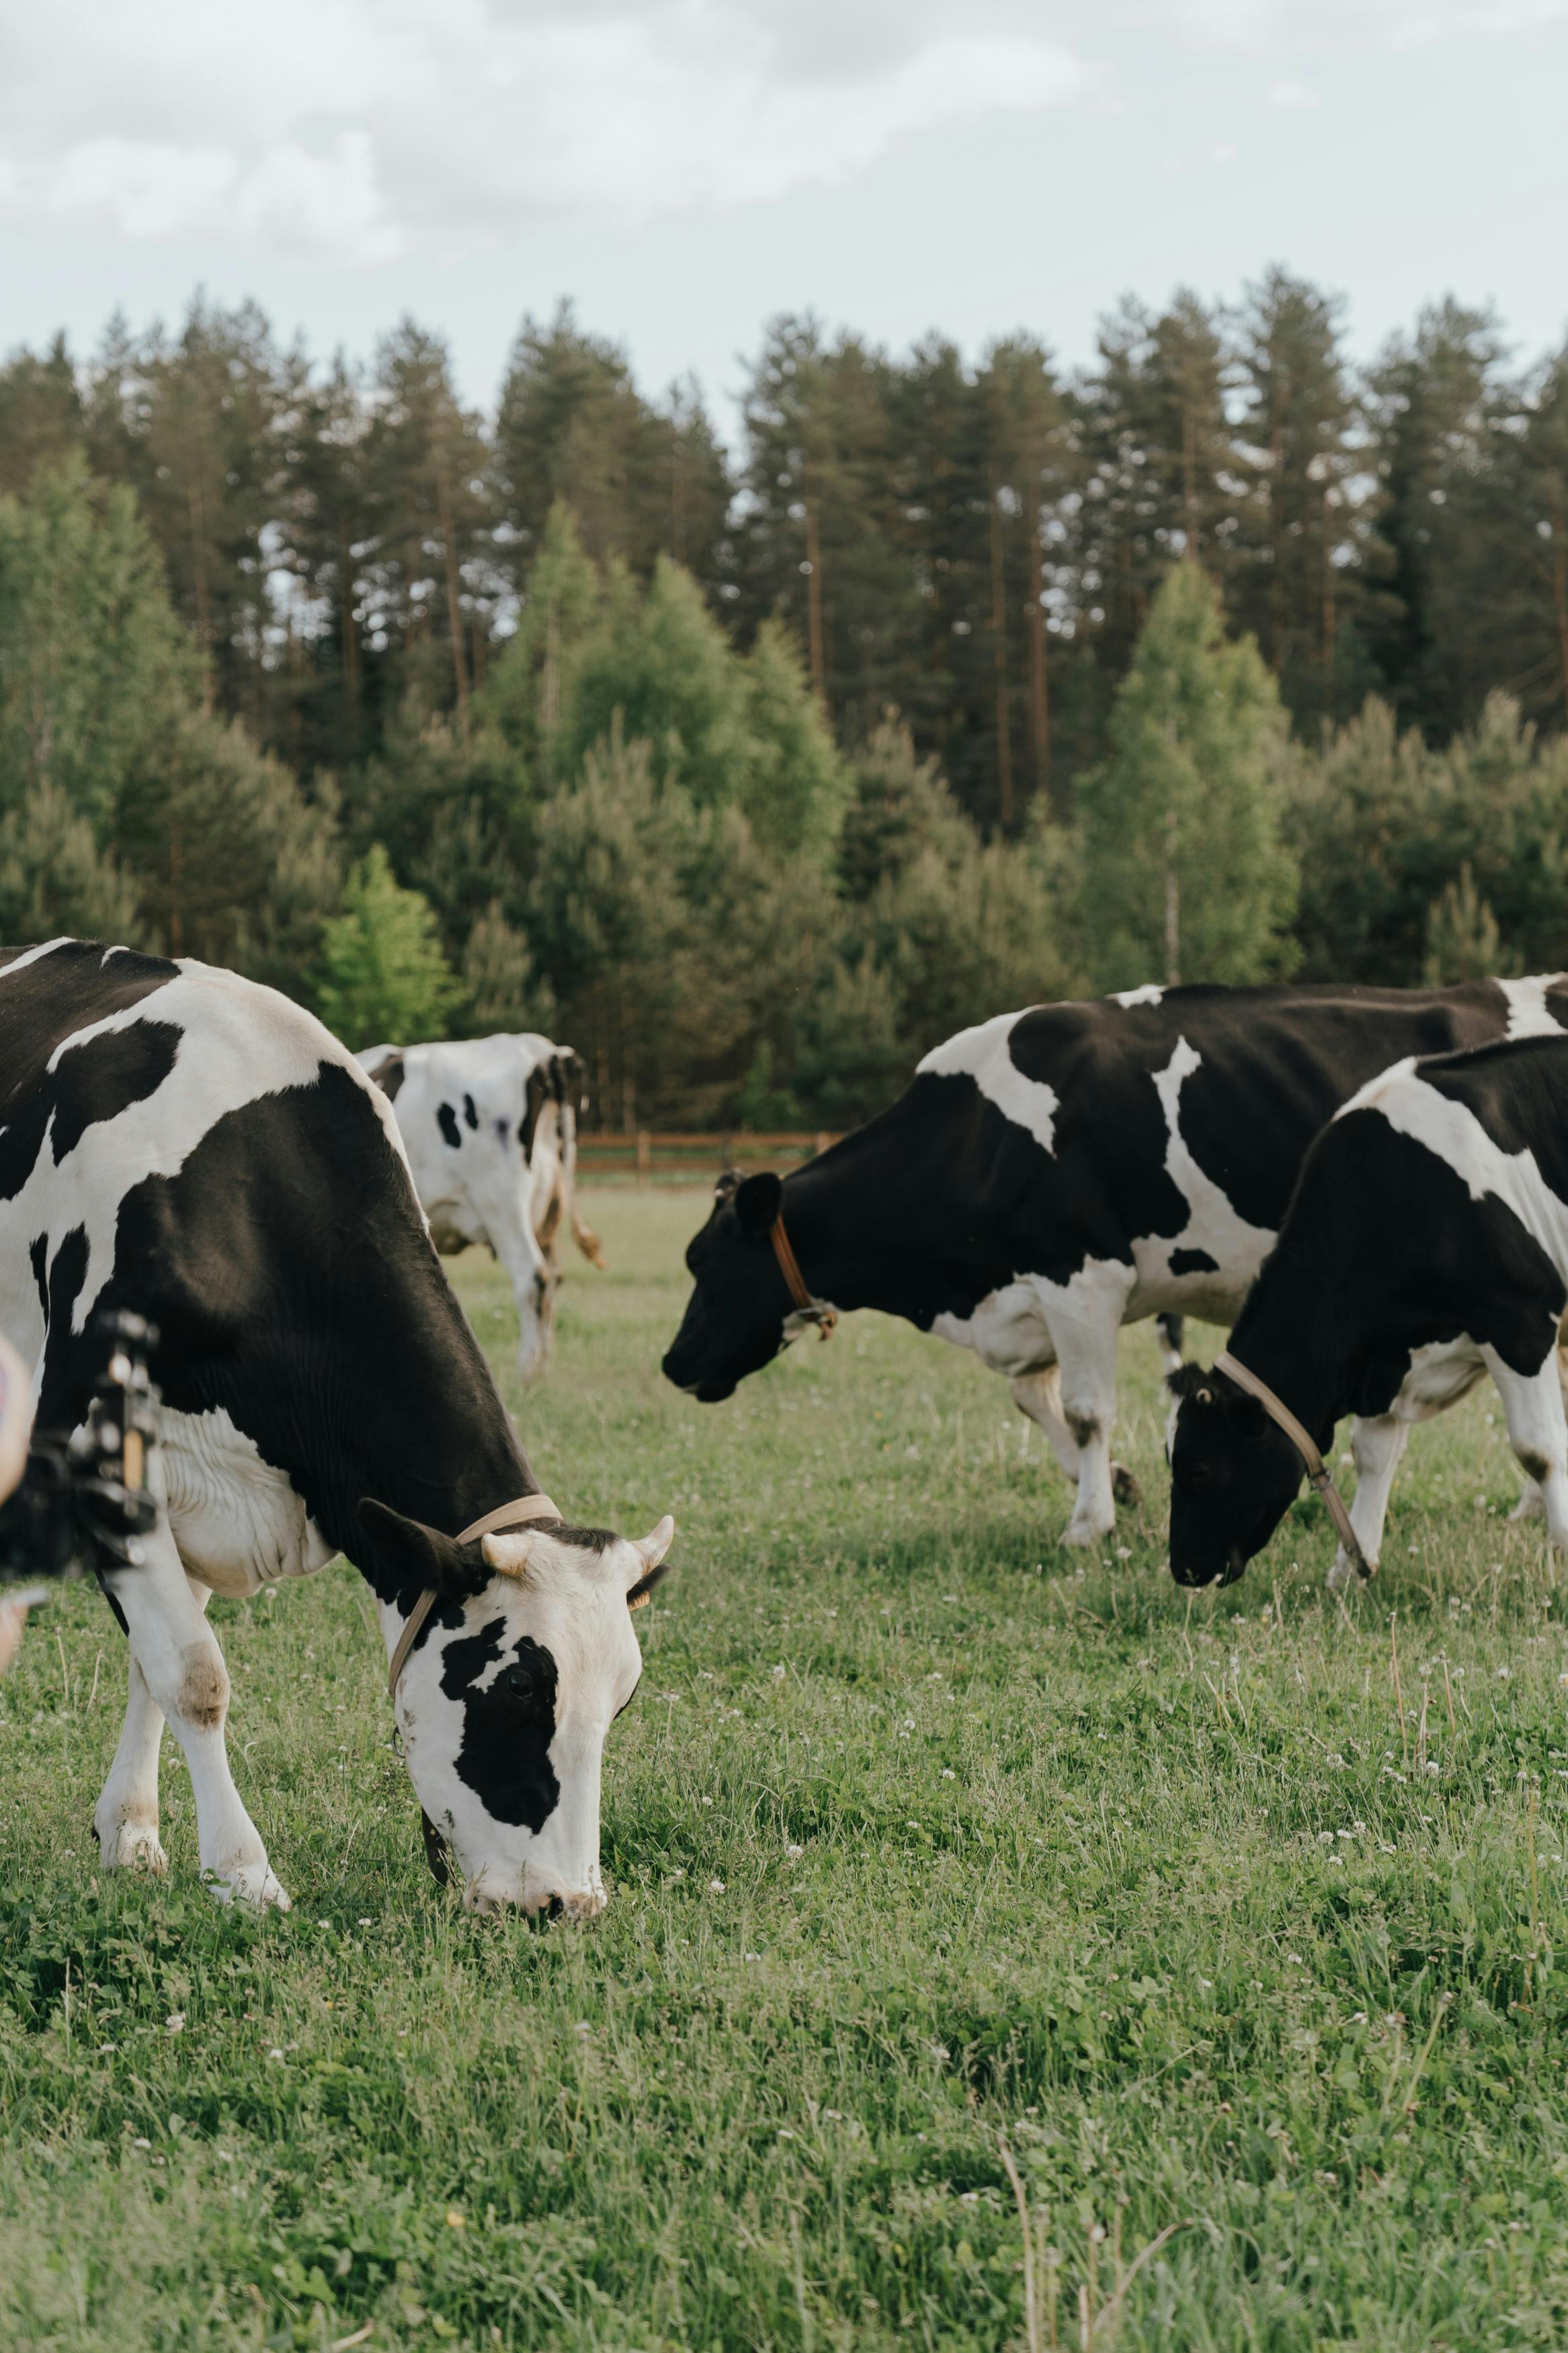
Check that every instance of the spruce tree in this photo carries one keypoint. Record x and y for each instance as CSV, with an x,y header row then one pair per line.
x,y
1184,874
382,974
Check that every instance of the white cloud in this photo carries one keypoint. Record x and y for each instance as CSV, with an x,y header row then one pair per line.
x,y
1290,94
355,130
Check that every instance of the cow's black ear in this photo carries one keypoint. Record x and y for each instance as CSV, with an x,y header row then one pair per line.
x,y
400,1553
727,1185
758,1201
1191,1381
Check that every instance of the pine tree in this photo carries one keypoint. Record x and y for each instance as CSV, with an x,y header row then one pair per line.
x,y
383,973
41,419
1184,873
95,670
1296,584
573,430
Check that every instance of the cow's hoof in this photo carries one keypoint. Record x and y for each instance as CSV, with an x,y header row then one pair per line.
x,y
1123,1486
131,1846
1344,1574
254,1885
1083,1533
1531,1504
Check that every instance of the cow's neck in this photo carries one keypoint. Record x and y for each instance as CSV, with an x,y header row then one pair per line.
x,y
867,1228
1292,1335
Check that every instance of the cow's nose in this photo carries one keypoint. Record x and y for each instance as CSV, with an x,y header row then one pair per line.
x,y
585,1906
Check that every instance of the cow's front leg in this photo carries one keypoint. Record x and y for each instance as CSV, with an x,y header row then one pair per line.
x,y
1532,1407
1085,1318
183,1671
125,1820
1377,1442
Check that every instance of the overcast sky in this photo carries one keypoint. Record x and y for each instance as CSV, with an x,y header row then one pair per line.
x,y
685,168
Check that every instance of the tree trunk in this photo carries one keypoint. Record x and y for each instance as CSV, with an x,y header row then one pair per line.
x,y
350,639
1560,583
816,644
199,591
999,666
1040,681
454,594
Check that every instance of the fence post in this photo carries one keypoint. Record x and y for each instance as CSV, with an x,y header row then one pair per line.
x,y
645,1155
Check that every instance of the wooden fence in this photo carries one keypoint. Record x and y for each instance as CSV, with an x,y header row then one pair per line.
x,y
646,1156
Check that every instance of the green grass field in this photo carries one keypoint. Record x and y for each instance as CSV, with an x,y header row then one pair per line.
x,y
927,1843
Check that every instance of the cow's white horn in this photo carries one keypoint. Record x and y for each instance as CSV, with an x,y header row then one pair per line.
x,y
506,1553
651,1550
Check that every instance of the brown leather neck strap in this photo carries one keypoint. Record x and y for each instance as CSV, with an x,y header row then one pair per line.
x,y
815,1311
506,1516
1319,1475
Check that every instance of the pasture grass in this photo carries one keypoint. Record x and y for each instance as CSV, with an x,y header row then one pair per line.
x,y
935,1851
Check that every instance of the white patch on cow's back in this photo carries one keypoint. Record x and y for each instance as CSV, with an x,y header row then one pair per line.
x,y
1214,1226
984,1054
1450,1131
238,1042
1529,1014
31,955
1150,994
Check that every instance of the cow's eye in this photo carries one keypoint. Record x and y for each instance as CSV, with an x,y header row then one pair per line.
x,y
518,1684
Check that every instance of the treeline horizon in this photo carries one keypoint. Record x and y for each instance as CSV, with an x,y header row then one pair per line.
x,y
959,687
970,544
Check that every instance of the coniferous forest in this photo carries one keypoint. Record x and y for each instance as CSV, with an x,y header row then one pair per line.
x,y
754,771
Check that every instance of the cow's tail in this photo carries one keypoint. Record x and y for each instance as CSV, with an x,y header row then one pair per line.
x,y
587,1241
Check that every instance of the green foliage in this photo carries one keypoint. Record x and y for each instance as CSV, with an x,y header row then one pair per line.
x,y
1387,830
500,989
1197,1923
383,973
95,670
1184,873
54,878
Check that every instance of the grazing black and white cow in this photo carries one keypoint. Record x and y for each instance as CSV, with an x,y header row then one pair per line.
x,y
1052,1175
1427,1243
180,1142
490,1126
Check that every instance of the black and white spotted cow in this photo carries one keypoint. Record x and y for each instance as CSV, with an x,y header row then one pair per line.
x,y
1426,1244
1054,1174
180,1142
490,1126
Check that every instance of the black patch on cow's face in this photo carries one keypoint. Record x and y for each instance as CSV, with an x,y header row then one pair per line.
x,y
1193,1261
469,1113
507,1727
734,1318
1233,1475
446,1121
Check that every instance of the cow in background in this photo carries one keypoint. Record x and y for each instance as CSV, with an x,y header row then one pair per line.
x,y
490,1126
1051,1174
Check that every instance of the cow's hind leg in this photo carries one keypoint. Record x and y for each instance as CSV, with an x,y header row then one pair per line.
x,y
1533,1406
1171,1329
125,1820
1085,1319
1039,1395
181,1667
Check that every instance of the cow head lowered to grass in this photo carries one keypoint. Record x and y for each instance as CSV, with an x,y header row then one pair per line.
x,y
184,1144
740,1313
505,1703
1233,1476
